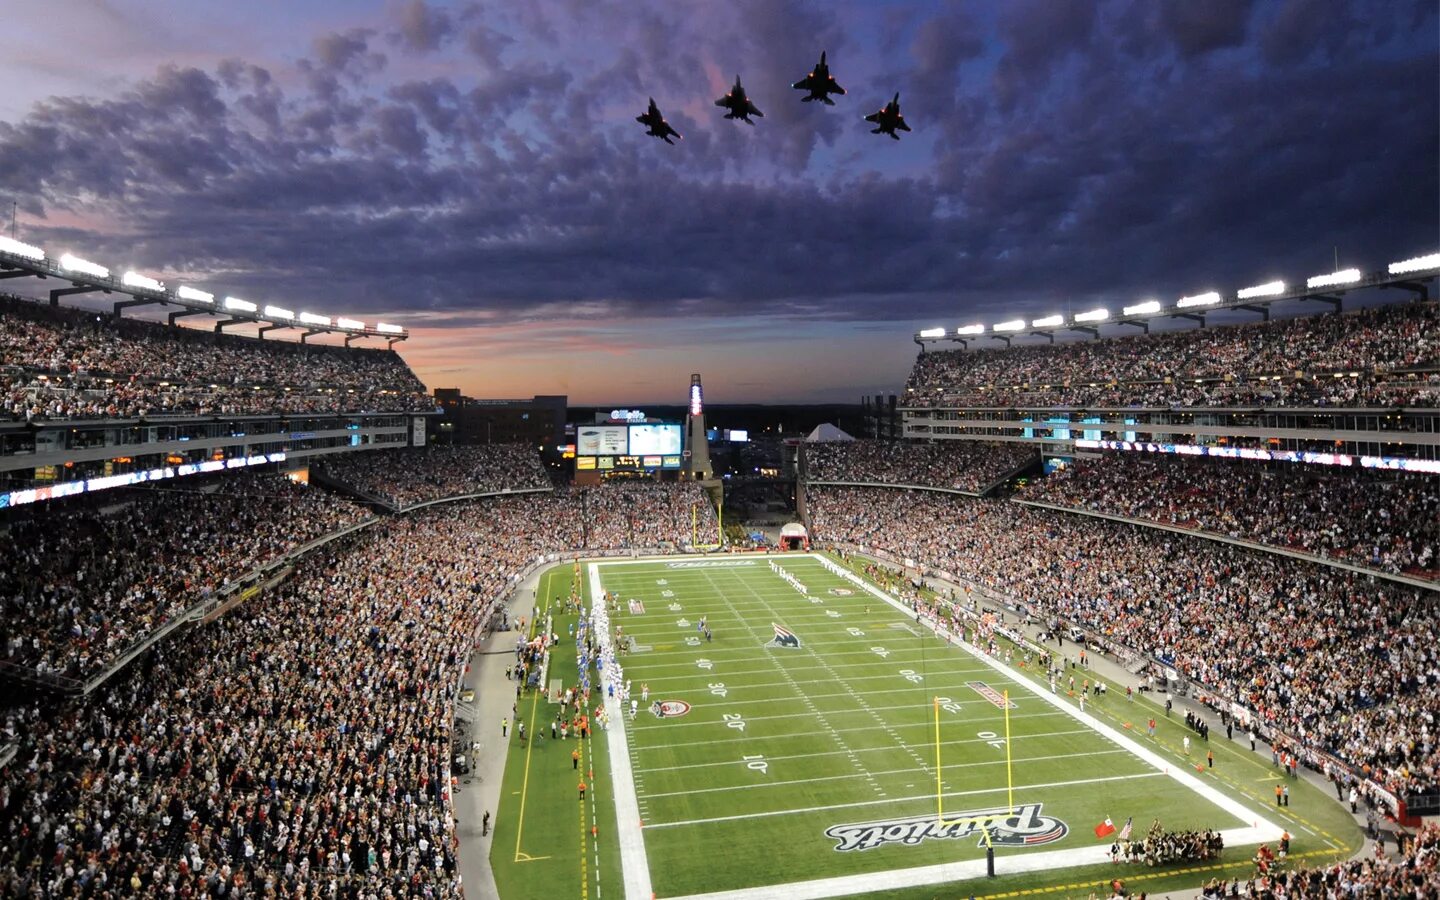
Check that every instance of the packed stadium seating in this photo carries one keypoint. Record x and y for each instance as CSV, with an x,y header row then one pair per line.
x,y
1388,521
236,757
1392,351
960,465
405,477
87,577
1347,665
65,363
1413,872
638,514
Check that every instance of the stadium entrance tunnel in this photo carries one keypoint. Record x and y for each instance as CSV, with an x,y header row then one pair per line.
x,y
793,536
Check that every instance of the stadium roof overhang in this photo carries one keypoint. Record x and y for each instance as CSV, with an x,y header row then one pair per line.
x,y
1409,275
18,260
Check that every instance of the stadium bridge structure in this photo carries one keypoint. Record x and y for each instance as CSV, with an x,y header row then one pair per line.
x,y
1030,412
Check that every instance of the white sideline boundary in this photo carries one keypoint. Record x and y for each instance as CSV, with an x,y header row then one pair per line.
x,y
632,845
634,864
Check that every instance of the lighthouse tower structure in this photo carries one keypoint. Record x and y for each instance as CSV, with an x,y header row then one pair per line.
x,y
697,446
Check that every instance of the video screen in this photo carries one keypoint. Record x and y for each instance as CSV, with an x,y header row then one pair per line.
x,y
654,440
601,440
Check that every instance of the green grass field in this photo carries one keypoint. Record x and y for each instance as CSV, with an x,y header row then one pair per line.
x,y
815,767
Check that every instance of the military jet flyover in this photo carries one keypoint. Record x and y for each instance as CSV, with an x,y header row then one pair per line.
x,y
819,85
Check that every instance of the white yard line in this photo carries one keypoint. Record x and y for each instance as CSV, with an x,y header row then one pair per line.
x,y
929,797
777,737
908,769
836,712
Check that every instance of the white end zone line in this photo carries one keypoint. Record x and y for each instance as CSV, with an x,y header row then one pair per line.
x,y
634,865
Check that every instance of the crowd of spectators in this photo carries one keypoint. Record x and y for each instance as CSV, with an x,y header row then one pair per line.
x,y
1413,872
1388,356
298,746
85,578
623,515
404,477
970,466
1388,521
67,363
1347,664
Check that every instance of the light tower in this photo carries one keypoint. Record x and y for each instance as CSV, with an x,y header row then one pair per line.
x,y
697,446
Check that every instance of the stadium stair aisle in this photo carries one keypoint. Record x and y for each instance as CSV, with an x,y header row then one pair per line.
x,y
479,791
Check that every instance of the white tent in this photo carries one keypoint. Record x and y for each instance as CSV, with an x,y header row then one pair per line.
x,y
825,432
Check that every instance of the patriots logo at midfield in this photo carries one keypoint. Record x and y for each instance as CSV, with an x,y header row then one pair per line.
x,y
784,637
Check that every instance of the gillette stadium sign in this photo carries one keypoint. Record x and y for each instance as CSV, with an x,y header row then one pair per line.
x,y
1025,826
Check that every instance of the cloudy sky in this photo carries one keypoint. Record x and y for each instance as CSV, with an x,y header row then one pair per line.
x,y
474,171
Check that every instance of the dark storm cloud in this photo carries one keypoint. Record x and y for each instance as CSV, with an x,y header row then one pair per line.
x,y
1064,151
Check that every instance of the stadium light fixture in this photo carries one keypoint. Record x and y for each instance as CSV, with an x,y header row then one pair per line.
x,y
1209,298
350,324
1268,289
1344,276
1094,315
237,305
1012,325
312,319
970,329
384,328
136,280
1143,309
186,292
933,333
1048,322
73,263
279,312
1416,264
16,248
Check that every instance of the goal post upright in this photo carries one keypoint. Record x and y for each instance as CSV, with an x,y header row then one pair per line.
x,y
939,788
1009,775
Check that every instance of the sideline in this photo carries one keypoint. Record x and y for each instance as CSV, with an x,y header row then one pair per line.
x,y
634,865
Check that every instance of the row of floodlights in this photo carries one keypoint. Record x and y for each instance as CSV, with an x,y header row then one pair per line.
x,y
1209,298
71,263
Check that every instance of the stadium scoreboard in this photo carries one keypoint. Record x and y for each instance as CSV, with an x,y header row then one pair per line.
x,y
634,446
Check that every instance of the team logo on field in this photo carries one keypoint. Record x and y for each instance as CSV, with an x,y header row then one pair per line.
x,y
841,592
669,709
784,637
1024,827
989,693
710,564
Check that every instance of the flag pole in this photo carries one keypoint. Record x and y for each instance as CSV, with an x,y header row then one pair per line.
x,y
1009,776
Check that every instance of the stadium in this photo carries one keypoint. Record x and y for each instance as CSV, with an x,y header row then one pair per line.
x,y
1134,599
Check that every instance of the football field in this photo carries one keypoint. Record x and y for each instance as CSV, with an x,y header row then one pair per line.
x,y
865,754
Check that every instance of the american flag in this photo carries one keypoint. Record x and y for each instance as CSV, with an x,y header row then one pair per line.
x,y
1125,832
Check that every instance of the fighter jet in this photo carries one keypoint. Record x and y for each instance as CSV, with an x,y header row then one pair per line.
x,y
656,126
739,105
820,83
888,119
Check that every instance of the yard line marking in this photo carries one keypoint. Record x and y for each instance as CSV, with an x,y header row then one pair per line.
x,y
847,776
833,712
978,791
